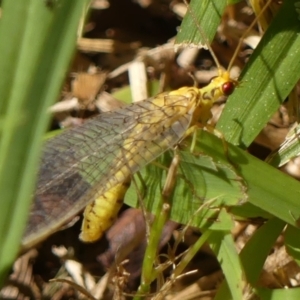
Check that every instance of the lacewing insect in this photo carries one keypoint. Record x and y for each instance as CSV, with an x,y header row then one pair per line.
x,y
91,165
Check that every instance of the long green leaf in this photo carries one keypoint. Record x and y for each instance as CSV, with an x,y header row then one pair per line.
x,y
291,240
222,244
288,150
37,39
260,243
207,14
278,294
266,81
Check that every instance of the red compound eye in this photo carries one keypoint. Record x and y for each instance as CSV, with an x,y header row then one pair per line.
x,y
228,88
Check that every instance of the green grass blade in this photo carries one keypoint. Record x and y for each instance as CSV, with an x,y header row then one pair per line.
x,y
208,15
36,42
266,186
292,242
266,81
288,150
278,294
260,243
222,243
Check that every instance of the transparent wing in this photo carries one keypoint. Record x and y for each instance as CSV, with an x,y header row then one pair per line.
x,y
84,162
